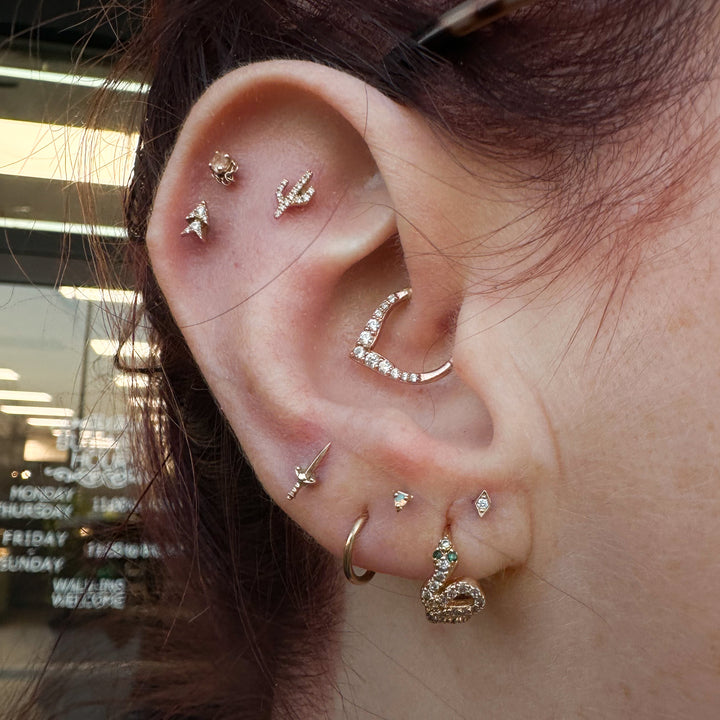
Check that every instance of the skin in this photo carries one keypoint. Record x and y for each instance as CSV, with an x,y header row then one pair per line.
x,y
590,423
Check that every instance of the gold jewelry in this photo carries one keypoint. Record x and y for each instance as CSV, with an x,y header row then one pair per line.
x,y
363,351
482,503
223,168
198,220
401,499
300,194
350,573
307,476
455,602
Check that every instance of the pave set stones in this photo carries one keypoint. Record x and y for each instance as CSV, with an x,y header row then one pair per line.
x,y
450,603
363,352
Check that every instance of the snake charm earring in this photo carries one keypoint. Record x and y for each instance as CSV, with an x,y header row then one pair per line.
x,y
445,601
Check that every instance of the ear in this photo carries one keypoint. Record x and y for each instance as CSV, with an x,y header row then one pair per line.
x,y
271,308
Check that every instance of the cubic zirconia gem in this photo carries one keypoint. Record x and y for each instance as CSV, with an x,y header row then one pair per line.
x,y
359,352
385,367
373,325
365,338
395,374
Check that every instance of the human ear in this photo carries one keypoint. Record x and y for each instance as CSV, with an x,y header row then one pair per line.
x,y
271,308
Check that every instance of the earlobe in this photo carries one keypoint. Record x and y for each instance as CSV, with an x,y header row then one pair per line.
x,y
270,305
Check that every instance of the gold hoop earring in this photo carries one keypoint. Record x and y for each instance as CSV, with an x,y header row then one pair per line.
x,y
348,569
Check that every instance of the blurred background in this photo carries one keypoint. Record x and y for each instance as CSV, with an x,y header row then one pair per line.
x,y
69,548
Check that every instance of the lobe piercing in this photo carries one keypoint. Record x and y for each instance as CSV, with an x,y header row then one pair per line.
x,y
363,354
455,602
300,194
482,503
350,573
401,499
223,168
307,476
198,220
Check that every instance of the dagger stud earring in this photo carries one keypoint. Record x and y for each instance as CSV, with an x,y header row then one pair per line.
x,y
306,476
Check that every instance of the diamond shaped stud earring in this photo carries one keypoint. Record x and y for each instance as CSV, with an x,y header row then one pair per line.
x,y
482,503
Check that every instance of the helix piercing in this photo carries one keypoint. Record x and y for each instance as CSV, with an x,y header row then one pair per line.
x,y
482,503
348,569
300,194
223,168
363,351
401,499
198,220
454,602
306,476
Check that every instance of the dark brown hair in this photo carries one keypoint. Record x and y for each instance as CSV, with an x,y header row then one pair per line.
x,y
247,604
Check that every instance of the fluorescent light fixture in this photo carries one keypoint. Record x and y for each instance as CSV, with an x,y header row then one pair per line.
x,y
136,380
44,450
109,348
99,295
62,228
29,410
49,422
8,374
21,396
66,152
71,79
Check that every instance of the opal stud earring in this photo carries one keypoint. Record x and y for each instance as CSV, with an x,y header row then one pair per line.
x,y
306,476
401,499
198,221
450,602
300,194
223,168
363,351
482,503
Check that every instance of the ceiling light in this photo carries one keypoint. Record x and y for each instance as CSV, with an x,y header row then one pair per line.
x,y
49,422
62,227
100,295
74,80
29,410
109,348
21,396
8,374
66,152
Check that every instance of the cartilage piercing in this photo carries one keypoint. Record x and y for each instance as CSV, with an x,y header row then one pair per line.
x,y
306,476
364,354
198,221
223,168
